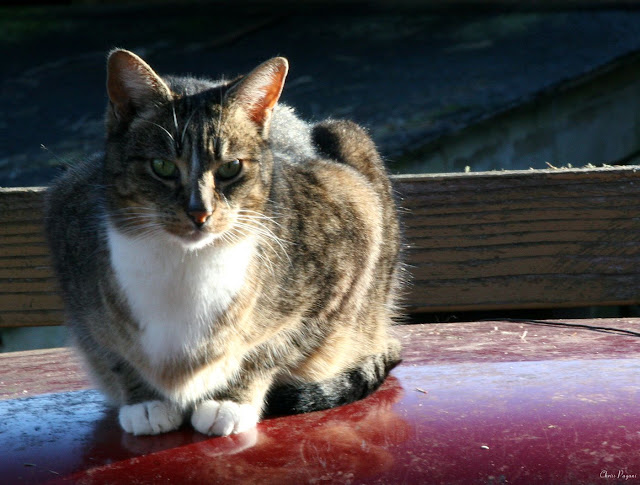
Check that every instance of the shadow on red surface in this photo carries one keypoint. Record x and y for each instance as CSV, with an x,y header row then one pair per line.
x,y
569,419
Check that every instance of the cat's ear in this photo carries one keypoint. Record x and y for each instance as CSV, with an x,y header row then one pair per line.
x,y
258,92
132,84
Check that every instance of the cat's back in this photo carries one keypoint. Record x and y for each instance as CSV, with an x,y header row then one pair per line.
x,y
290,137
74,218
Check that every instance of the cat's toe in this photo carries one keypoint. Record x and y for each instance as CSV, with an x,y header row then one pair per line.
x,y
222,418
149,417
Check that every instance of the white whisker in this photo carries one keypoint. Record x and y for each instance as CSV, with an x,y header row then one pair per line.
x,y
216,137
162,128
186,125
254,225
261,257
175,118
226,201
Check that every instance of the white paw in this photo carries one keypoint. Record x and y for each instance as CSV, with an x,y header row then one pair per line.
x,y
149,417
222,418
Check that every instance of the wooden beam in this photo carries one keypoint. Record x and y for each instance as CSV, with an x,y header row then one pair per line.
x,y
522,239
478,241
27,286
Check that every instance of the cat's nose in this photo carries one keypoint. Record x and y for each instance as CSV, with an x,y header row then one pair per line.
x,y
199,217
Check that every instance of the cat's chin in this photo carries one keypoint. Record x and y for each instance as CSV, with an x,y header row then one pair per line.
x,y
194,240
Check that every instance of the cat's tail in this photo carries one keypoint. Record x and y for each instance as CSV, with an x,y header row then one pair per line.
x,y
347,142
348,386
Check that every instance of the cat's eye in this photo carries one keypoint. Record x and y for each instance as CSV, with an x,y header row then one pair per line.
x,y
229,170
164,168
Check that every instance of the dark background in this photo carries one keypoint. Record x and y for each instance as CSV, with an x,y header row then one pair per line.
x,y
415,73
412,71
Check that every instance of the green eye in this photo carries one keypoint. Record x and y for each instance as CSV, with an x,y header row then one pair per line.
x,y
164,168
229,170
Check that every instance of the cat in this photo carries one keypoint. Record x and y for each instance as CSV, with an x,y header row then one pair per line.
x,y
225,260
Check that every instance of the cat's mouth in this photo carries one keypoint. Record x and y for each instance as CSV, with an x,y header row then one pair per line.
x,y
195,238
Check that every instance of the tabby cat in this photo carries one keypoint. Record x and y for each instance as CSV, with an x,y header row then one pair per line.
x,y
225,260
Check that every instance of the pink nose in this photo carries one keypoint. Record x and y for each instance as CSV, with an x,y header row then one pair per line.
x,y
199,217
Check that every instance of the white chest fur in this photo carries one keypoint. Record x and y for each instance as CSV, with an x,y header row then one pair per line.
x,y
175,294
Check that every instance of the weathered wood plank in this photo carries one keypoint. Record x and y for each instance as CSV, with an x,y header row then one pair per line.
x,y
551,238
31,318
26,285
28,301
479,241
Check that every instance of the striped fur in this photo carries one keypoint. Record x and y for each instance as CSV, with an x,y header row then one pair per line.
x,y
194,294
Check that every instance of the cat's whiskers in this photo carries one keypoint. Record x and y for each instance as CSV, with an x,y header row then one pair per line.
x,y
140,214
242,230
136,218
226,201
162,128
234,237
260,221
259,215
261,254
175,123
135,208
260,228
186,125
144,231
138,222
254,225
216,137
231,238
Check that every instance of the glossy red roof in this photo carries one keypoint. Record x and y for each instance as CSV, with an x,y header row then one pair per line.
x,y
483,402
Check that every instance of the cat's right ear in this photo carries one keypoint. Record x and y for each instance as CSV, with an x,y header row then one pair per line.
x,y
132,84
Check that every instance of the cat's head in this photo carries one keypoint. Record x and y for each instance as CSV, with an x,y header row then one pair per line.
x,y
186,158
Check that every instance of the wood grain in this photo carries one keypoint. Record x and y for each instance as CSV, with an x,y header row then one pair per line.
x,y
27,286
534,239
485,241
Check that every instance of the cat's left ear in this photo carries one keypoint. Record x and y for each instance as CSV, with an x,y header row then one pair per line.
x,y
258,93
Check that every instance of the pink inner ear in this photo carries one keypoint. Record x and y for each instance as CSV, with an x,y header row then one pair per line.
x,y
115,85
270,91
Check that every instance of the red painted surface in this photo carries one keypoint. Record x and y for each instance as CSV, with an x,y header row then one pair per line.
x,y
25,374
472,403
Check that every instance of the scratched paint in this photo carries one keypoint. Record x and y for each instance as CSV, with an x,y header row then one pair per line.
x,y
521,422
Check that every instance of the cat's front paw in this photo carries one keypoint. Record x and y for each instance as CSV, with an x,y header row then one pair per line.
x,y
149,417
222,418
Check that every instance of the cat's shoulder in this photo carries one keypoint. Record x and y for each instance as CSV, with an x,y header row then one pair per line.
x,y
77,178
74,200
290,136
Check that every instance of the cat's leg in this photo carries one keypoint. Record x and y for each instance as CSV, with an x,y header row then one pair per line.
x,y
235,410
142,411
